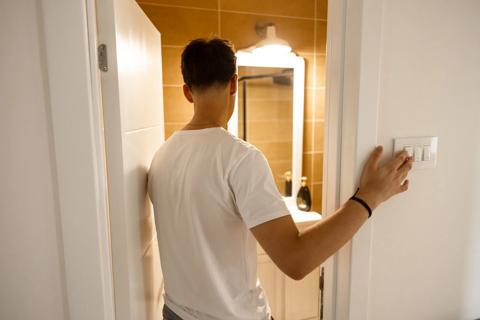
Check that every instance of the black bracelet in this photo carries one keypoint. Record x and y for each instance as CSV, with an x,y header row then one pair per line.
x,y
363,203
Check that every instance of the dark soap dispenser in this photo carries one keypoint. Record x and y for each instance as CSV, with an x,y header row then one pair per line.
x,y
288,184
304,199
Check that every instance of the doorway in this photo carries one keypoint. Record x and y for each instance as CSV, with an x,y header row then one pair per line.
x,y
132,135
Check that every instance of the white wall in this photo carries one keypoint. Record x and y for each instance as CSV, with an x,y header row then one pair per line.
x,y
31,267
425,244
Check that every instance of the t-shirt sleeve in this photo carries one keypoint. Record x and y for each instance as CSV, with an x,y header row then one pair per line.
x,y
256,195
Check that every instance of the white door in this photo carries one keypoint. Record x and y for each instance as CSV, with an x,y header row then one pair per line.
x,y
132,102
419,257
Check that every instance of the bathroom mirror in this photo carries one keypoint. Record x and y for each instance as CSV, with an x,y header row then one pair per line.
x,y
269,111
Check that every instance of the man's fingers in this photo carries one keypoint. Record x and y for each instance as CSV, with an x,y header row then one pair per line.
x,y
375,157
404,186
398,160
402,175
406,165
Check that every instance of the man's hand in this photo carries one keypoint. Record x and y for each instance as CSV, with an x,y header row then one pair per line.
x,y
379,183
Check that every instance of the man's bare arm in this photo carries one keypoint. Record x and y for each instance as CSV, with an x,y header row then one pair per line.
x,y
298,253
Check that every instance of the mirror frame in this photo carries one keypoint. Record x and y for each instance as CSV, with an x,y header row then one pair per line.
x,y
248,59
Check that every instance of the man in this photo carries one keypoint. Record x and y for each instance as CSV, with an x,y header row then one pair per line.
x,y
214,194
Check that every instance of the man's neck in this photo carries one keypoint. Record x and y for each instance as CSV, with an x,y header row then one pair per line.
x,y
210,109
198,126
203,121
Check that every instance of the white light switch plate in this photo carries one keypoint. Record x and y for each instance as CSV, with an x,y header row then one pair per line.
x,y
418,146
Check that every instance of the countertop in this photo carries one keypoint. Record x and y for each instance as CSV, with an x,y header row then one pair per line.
x,y
300,216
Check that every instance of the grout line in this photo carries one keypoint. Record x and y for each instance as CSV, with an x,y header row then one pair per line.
x,y
219,21
154,4
172,46
267,14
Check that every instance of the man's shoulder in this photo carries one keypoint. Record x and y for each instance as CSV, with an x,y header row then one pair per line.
x,y
239,144
237,151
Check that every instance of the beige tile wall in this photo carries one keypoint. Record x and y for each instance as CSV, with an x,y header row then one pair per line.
x,y
302,23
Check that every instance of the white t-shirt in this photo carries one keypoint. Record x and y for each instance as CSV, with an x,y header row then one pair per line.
x,y
208,188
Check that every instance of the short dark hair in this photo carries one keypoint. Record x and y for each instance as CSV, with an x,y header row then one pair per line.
x,y
208,62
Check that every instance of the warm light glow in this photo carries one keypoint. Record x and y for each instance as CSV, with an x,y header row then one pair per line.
x,y
271,45
265,58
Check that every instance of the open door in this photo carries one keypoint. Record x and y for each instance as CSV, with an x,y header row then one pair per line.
x,y
130,73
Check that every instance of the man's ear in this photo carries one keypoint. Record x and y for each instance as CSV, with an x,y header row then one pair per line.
x,y
187,93
233,84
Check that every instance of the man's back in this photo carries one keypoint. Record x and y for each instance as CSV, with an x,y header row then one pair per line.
x,y
208,188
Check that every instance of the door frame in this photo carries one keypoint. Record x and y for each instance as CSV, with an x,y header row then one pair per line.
x,y
333,139
79,156
354,34
352,106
